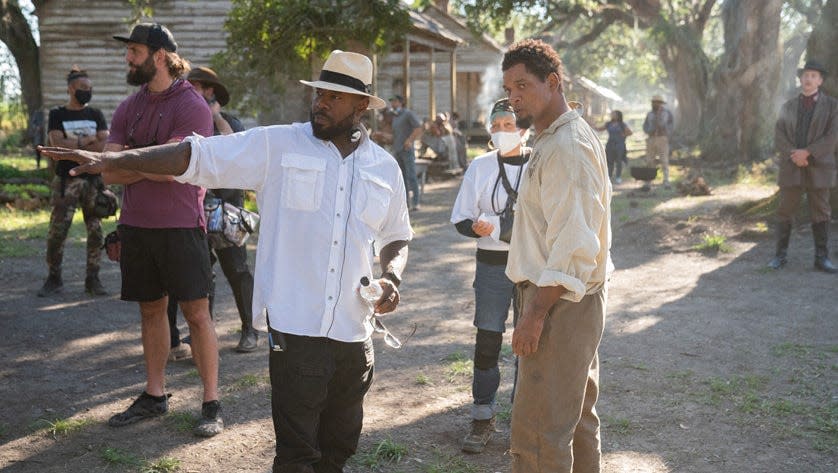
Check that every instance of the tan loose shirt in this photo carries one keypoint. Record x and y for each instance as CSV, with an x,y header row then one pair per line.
x,y
562,230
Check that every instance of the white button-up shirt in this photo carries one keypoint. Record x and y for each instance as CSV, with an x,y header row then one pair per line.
x,y
321,216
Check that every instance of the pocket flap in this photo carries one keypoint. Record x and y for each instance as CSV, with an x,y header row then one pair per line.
x,y
367,176
302,161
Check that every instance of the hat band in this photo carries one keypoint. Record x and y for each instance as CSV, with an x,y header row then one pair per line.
x,y
343,79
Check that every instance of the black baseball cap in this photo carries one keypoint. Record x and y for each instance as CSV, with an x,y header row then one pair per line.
x,y
153,35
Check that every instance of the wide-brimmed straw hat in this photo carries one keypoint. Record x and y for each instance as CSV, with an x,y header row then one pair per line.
x,y
207,76
350,73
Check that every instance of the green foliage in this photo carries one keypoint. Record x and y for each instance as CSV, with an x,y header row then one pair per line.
x,y
272,42
26,191
115,456
163,465
182,421
62,426
386,452
713,244
447,463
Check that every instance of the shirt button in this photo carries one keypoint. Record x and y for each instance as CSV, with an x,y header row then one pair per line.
x,y
338,215
332,270
335,242
330,297
341,188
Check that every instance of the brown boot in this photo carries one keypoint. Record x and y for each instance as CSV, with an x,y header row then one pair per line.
x,y
481,432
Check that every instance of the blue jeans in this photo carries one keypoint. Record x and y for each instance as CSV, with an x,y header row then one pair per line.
x,y
407,162
494,293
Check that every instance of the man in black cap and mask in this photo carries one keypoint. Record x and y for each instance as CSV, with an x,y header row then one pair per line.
x,y
79,126
805,137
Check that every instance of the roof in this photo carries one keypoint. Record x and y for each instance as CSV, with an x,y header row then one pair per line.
x,y
429,26
483,37
603,91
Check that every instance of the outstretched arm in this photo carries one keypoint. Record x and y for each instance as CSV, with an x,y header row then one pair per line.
x,y
393,258
169,159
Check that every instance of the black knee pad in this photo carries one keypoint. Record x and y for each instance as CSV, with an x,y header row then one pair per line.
x,y
487,349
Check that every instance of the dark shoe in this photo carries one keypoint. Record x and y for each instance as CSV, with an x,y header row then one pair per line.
x,y
249,341
146,406
481,432
211,423
777,262
94,287
53,285
824,264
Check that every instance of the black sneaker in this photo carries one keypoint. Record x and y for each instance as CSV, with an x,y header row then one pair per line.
x,y
53,285
211,423
145,407
249,341
93,286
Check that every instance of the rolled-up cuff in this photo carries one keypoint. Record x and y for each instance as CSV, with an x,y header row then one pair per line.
x,y
575,288
191,170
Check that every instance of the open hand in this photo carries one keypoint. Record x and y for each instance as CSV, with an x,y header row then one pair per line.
x,y
89,162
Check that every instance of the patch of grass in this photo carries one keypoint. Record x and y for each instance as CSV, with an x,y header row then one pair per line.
x,y
458,369
796,350
163,465
182,421
682,376
63,426
423,380
116,457
504,412
386,452
456,356
713,244
193,373
506,351
445,463
745,392
617,425
19,228
248,381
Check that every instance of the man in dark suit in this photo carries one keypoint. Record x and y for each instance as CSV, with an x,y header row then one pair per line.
x,y
805,138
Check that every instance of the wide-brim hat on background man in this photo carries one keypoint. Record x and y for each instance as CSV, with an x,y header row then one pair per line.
x,y
207,76
153,35
350,73
812,66
658,98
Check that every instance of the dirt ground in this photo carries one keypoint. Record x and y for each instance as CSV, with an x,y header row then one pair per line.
x,y
709,362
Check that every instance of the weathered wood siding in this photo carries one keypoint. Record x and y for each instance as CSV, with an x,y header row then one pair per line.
x,y
76,32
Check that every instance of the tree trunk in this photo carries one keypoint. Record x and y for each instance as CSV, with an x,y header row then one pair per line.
x,y
15,33
739,119
688,67
821,46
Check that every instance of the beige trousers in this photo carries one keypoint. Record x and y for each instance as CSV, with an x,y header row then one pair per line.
x,y
658,146
555,428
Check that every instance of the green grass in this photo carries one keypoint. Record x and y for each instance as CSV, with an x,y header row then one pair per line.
x,y
423,380
617,425
386,452
712,244
116,457
19,230
504,412
459,369
447,463
791,349
182,421
63,426
249,381
193,373
163,465
456,356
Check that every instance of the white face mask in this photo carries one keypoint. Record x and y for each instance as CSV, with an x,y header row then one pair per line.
x,y
506,141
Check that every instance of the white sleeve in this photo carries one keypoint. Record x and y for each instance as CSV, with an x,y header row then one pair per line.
x,y
466,206
237,161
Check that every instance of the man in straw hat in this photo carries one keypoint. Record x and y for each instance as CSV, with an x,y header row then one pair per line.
x,y
805,138
658,126
325,192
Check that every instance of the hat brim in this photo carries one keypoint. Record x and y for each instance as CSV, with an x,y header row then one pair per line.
x,y
375,102
220,92
803,69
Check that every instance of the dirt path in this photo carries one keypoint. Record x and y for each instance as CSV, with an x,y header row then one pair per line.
x,y
709,363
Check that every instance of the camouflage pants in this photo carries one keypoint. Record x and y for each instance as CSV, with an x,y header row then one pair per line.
x,y
77,192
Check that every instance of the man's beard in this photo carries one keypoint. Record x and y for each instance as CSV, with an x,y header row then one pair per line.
x,y
329,132
143,73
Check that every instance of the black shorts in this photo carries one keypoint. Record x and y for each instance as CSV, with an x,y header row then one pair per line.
x,y
164,261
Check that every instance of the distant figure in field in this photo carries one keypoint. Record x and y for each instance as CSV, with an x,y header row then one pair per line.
x,y
615,148
658,126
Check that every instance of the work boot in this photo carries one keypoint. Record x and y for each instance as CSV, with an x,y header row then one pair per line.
x,y
481,432
53,285
210,423
249,341
783,236
94,287
820,232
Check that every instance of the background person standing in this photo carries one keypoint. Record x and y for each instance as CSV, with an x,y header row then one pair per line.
x,y
658,125
406,130
75,125
805,137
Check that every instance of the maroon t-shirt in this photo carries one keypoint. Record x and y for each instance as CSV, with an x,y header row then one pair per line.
x,y
147,119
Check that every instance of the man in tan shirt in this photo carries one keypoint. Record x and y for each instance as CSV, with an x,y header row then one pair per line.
x,y
559,260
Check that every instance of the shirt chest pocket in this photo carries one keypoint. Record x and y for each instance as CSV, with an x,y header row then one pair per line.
x,y
302,182
373,199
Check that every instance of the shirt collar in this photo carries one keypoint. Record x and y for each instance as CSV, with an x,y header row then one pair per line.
x,y
563,119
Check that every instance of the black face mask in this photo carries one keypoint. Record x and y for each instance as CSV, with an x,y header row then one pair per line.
x,y
83,96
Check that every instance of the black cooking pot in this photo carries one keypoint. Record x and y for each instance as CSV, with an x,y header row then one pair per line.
x,y
644,173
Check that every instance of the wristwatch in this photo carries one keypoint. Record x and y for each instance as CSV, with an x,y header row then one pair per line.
x,y
392,277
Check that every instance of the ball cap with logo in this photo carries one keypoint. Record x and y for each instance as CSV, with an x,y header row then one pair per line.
x,y
153,35
347,72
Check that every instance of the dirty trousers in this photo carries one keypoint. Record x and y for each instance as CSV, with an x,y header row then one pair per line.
x,y
555,428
